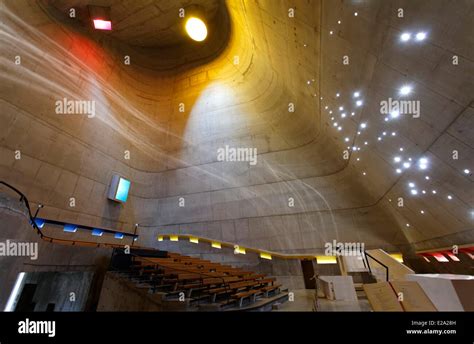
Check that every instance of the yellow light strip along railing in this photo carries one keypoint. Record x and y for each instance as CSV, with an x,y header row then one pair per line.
x,y
320,259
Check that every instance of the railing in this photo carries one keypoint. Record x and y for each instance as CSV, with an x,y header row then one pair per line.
x,y
378,261
32,219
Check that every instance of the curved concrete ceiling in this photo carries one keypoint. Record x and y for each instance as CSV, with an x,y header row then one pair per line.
x,y
277,86
149,23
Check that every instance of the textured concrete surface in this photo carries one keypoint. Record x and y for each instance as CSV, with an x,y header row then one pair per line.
x,y
239,95
15,227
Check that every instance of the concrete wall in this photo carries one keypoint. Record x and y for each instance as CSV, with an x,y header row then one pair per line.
x,y
281,60
14,226
56,288
118,295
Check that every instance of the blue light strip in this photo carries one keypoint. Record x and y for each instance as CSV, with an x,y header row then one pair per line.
x,y
72,228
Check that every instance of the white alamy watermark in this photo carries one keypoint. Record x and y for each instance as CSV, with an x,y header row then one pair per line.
x,y
241,154
75,107
336,248
19,249
28,326
396,107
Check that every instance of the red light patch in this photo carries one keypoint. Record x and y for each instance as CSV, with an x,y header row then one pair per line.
x,y
100,24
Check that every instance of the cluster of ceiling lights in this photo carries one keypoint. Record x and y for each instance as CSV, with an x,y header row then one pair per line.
x,y
407,36
404,91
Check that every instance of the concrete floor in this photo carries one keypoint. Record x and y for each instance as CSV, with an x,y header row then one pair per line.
x,y
304,302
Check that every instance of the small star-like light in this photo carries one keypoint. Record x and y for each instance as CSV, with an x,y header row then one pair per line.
x,y
420,36
405,37
405,90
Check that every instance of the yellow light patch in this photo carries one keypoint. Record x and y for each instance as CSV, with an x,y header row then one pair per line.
x,y
194,240
326,260
216,244
160,238
196,29
265,255
397,256
239,250
174,238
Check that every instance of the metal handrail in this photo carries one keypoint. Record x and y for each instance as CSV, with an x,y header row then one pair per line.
x,y
378,261
32,218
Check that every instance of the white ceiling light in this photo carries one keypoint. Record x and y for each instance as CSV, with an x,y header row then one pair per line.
x,y
341,108
433,192
395,114
405,90
399,170
406,164
337,95
420,36
346,139
359,103
423,163
412,185
427,177
405,37
356,94
414,192
450,197
397,159
466,171
343,115
363,125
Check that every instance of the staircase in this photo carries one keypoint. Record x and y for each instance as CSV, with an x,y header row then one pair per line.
x,y
183,283
396,270
372,267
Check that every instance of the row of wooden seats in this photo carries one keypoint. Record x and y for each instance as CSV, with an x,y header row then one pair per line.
x,y
177,273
